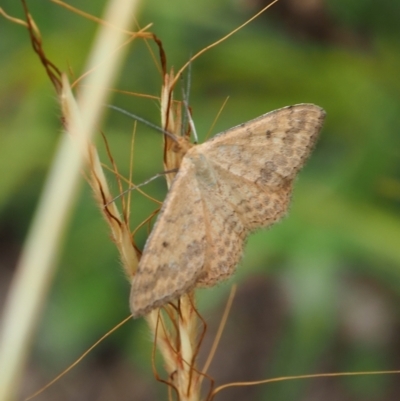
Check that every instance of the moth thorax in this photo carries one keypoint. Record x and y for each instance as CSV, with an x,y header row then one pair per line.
x,y
204,172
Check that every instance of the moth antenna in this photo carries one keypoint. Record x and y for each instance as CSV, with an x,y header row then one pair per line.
x,y
142,120
132,188
189,116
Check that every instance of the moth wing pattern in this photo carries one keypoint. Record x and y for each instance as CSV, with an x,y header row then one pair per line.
x,y
174,254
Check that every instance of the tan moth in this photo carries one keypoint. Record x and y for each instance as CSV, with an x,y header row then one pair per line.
x,y
237,182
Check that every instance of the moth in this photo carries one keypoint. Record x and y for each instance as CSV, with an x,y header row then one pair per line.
x,y
233,184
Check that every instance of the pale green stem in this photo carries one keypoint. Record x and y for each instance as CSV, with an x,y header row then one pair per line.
x,y
37,264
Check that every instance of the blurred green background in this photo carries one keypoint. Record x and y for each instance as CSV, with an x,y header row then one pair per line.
x,y
317,293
